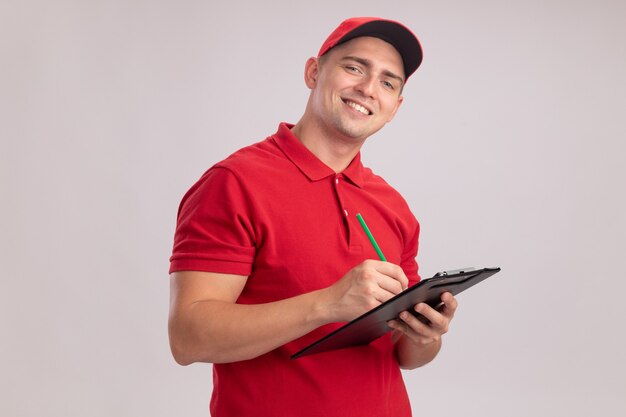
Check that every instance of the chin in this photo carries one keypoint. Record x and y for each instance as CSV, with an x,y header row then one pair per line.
x,y
354,132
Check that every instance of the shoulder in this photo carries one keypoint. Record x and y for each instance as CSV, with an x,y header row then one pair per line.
x,y
252,159
243,172
376,183
391,199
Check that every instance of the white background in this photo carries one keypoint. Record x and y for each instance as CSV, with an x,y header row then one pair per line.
x,y
509,148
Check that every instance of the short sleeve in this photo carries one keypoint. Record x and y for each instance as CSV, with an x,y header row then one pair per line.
x,y
214,231
409,255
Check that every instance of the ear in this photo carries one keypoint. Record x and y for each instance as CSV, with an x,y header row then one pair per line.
x,y
398,103
311,72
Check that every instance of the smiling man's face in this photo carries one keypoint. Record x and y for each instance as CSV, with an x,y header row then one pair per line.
x,y
357,86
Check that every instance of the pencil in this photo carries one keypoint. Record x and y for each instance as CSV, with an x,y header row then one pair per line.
x,y
371,237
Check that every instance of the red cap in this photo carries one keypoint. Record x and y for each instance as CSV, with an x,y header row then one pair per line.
x,y
394,33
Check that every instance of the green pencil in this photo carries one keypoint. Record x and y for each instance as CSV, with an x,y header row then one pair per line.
x,y
371,237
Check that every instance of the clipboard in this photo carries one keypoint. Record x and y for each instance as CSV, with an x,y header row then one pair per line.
x,y
373,324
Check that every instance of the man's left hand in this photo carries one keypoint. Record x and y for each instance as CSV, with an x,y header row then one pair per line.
x,y
438,320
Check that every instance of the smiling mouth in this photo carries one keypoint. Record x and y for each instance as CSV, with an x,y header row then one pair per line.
x,y
358,107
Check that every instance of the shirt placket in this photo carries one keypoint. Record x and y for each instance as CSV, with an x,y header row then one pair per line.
x,y
340,186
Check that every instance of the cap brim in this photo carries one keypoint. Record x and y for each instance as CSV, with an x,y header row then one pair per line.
x,y
401,38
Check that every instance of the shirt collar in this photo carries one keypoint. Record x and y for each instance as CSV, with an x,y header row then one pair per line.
x,y
308,163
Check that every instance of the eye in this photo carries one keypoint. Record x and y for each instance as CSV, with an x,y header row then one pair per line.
x,y
388,85
353,69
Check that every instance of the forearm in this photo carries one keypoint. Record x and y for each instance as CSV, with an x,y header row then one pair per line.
x,y
207,325
411,355
219,331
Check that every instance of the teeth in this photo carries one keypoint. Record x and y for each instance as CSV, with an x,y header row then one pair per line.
x,y
358,107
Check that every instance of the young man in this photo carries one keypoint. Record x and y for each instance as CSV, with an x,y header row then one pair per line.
x,y
269,256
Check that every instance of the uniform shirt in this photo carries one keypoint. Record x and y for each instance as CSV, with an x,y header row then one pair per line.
x,y
274,212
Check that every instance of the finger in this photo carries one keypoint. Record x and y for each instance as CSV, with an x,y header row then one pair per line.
x,y
449,305
382,295
394,272
389,284
415,327
438,321
399,328
398,325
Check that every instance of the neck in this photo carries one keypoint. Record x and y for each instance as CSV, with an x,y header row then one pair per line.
x,y
334,151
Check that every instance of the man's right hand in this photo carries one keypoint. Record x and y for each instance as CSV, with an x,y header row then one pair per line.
x,y
364,287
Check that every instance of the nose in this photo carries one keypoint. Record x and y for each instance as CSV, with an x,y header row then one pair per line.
x,y
366,86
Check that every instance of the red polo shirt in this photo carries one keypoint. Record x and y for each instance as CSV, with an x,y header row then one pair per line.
x,y
277,214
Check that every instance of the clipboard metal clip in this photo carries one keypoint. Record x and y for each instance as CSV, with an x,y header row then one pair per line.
x,y
454,271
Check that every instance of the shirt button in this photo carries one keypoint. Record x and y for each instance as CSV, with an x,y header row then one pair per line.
x,y
345,212
336,180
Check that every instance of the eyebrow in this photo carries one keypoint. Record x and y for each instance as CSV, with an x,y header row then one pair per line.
x,y
368,64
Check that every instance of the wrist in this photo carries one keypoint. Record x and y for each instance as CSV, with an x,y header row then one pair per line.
x,y
321,311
